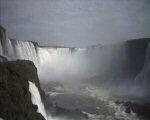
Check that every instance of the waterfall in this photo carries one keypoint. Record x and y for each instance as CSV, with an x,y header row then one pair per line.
x,y
36,99
15,49
62,60
144,76
21,50
53,63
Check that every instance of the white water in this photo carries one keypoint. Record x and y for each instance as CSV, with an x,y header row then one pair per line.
x,y
36,99
60,62
55,61
21,50
119,109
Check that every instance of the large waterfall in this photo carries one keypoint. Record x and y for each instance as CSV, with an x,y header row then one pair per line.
x,y
36,99
49,60
78,63
117,63
55,63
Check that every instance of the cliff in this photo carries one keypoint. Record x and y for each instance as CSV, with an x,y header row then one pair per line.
x,y
27,70
3,59
2,39
136,52
129,58
15,98
144,76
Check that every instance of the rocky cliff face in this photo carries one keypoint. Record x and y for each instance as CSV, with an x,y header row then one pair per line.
x,y
3,59
143,78
136,53
2,39
129,58
28,71
123,61
15,98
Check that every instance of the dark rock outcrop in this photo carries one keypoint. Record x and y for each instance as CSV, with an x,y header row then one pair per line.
x,y
15,98
142,110
135,55
3,59
2,38
2,33
143,78
27,70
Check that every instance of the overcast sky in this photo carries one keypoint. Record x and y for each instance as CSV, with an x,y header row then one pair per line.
x,y
75,22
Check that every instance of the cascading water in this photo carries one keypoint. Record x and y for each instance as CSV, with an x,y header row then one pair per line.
x,y
36,99
60,60
73,63
78,63
15,49
57,63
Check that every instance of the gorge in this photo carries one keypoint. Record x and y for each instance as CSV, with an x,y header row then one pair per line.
x,y
120,71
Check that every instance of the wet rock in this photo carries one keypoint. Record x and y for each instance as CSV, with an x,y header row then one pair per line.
x,y
3,59
28,71
15,98
141,109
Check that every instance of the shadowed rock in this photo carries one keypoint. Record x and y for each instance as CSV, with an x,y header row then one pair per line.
x,y
15,98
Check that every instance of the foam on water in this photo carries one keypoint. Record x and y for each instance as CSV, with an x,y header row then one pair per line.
x,y
119,114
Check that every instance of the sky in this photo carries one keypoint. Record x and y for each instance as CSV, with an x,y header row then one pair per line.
x,y
75,22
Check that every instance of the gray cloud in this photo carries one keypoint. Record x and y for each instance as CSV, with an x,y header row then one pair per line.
x,y
75,22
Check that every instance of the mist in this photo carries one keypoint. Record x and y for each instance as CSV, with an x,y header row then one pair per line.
x,y
103,67
89,59
66,65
